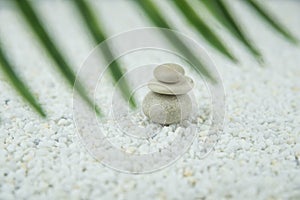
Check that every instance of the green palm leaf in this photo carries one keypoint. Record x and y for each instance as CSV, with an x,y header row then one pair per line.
x,y
18,84
265,15
155,16
202,28
220,10
36,25
98,34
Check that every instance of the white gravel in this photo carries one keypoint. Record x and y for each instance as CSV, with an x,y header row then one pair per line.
x,y
258,155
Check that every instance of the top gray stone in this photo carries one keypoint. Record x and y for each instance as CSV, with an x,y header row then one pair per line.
x,y
168,73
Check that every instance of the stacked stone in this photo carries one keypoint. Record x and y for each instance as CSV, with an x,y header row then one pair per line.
x,y
168,102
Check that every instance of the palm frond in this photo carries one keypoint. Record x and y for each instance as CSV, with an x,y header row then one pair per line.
x,y
99,36
202,28
269,19
221,12
155,16
18,84
218,8
37,26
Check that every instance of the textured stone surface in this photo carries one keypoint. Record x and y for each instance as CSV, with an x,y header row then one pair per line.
x,y
169,73
182,87
166,109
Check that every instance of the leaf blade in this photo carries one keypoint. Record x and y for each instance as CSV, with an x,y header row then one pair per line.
x,y
32,19
202,28
155,16
99,36
19,85
264,14
221,12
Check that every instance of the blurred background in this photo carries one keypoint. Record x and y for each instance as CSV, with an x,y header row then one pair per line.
x,y
254,45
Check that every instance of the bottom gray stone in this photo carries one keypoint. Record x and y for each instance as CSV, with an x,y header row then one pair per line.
x,y
167,109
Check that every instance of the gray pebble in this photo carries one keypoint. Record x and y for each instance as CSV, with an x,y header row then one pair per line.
x,y
182,87
168,73
166,109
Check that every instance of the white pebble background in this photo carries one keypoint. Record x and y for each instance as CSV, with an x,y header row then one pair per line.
x,y
258,154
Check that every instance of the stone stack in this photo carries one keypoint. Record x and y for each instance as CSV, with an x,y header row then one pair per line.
x,y
168,102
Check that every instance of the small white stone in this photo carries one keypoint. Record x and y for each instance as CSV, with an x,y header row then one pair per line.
x,y
297,150
10,148
63,122
28,156
168,73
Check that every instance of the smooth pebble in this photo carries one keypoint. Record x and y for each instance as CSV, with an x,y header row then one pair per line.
x,y
166,109
182,87
168,73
